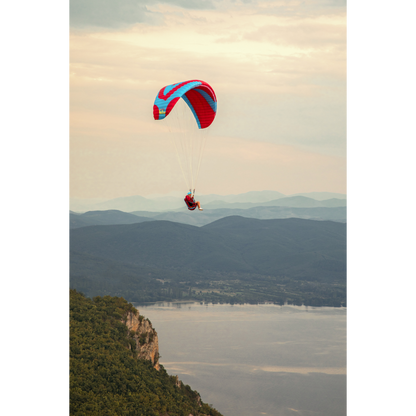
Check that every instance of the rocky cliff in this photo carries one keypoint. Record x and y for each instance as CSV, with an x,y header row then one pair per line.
x,y
147,343
147,347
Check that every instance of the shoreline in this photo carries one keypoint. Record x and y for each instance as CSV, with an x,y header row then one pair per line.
x,y
206,304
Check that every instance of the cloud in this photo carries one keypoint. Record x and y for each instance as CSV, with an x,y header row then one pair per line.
x,y
191,4
122,13
107,13
279,79
307,34
89,14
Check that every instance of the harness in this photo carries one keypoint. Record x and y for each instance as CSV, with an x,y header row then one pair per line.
x,y
191,206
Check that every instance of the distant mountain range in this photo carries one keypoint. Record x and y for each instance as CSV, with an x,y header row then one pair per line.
x,y
338,214
298,206
245,200
110,217
114,217
292,201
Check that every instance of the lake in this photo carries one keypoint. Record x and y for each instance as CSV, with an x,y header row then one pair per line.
x,y
249,360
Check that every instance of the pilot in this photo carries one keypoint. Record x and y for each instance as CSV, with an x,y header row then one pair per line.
x,y
191,203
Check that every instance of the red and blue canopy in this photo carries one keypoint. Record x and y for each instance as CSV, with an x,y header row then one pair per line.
x,y
199,96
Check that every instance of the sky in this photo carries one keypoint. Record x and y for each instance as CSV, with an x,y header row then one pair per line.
x,y
278,69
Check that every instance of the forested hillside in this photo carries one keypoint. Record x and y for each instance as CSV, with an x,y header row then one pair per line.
x,y
106,378
234,259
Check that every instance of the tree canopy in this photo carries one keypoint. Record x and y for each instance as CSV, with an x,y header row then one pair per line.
x,y
106,378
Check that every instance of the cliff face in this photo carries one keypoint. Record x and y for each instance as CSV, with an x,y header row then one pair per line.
x,y
147,343
147,347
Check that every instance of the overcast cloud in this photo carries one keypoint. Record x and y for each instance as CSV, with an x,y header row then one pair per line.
x,y
279,72
122,13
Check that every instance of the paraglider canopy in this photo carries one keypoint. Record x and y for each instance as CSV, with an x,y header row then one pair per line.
x,y
187,121
199,96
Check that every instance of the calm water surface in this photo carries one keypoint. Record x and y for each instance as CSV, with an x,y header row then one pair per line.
x,y
249,360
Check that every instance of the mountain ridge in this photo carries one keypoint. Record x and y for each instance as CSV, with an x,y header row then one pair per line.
x,y
209,215
162,203
292,201
240,244
106,217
